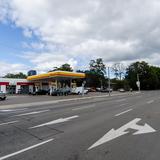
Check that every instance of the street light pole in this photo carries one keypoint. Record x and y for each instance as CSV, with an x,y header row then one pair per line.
x,y
109,82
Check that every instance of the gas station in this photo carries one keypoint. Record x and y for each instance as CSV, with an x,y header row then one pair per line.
x,y
46,81
54,80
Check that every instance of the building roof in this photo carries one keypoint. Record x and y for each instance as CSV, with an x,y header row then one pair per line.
x,y
12,81
56,74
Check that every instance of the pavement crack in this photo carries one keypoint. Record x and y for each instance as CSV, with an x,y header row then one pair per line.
x,y
55,129
27,132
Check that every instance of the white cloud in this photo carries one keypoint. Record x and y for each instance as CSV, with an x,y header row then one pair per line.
x,y
76,31
27,33
44,62
12,68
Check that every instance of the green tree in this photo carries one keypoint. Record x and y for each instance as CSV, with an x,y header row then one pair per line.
x,y
64,67
95,77
18,75
147,74
119,70
97,66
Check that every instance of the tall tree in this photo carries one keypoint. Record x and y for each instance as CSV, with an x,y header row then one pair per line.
x,y
147,74
97,66
119,70
64,67
95,76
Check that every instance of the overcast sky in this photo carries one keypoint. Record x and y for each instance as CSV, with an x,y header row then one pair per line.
x,y
41,34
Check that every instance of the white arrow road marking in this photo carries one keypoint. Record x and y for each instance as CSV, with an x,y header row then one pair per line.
x,y
122,105
24,150
1,124
151,101
31,113
60,120
112,134
123,112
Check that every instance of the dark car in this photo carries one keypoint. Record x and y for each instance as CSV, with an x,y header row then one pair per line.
x,y
107,90
55,92
40,92
2,96
60,92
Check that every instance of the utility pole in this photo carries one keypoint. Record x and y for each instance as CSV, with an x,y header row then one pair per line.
x,y
109,82
83,84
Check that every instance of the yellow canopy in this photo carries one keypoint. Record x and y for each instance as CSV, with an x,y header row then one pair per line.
x,y
56,74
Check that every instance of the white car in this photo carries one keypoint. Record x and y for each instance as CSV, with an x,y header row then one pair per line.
x,y
79,90
121,90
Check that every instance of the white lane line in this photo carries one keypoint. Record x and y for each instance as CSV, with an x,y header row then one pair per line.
x,y
60,120
6,110
86,107
31,113
12,110
25,149
151,101
1,124
123,112
122,104
120,100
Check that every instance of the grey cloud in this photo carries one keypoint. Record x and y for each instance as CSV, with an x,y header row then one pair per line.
x,y
117,30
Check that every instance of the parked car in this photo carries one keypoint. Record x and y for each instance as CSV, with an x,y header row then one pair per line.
x,y
79,90
121,90
91,89
2,96
40,92
60,92
107,90
98,89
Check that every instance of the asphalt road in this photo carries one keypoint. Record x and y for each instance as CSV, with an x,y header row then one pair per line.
x,y
124,127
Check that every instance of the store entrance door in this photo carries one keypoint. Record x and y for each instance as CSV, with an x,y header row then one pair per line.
x,y
24,89
11,89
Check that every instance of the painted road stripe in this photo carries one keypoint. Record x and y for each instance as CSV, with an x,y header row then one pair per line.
x,y
31,113
1,124
12,110
25,149
151,101
122,104
86,107
120,100
60,120
123,112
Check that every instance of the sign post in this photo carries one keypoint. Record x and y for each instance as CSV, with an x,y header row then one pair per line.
x,y
138,83
83,84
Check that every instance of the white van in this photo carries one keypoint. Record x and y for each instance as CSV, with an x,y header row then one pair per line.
x,y
79,90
